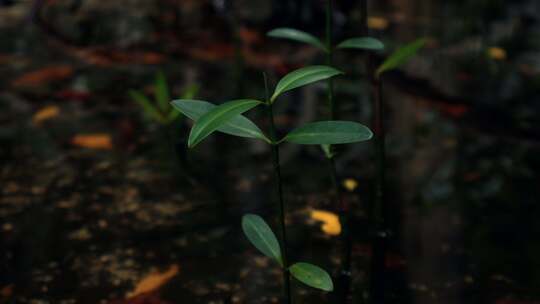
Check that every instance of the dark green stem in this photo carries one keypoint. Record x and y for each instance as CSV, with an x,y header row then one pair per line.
x,y
364,17
277,171
380,137
379,212
345,273
330,59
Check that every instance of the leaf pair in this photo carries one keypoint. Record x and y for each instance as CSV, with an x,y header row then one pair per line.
x,y
263,238
227,118
398,58
365,43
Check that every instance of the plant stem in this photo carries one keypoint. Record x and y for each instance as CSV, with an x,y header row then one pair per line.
x,y
381,150
345,273
330,59
378,216
364,17
277,171
378,208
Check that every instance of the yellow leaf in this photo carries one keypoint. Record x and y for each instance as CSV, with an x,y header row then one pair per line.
x,y
154,281
497,53
350,184
93,141
331,224
377,23
45,114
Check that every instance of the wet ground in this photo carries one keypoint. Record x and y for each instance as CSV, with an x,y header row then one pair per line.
x,y
99,204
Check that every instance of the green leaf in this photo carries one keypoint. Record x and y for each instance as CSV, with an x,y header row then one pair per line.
x,y
261,236
327,149
329,133
312,276
297,35
363,43
161,92
172,115
190,92
238,126
147,106
400,56
302,77
218,117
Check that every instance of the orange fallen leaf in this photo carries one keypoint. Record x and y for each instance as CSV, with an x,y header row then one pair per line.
x,y
331,224
43,76
378,23
249,36
45,113
7,291
213,52
5,58
69,94
497,53
93,141
154,281
142,299
120,57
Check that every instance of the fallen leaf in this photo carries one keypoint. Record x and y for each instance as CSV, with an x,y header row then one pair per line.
x,y
497,53
69,94
213,52
153,281
331,224
142,299
135,57
93,141
392,261
249,36
377,23
6,291
45,113
350,184
4,58
468,279
43,76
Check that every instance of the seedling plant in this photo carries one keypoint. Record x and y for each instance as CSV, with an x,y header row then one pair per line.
x,y
361,43
159,108
398,58
159,111
227,118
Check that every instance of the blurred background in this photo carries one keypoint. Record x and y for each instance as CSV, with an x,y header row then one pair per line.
x,y
100,201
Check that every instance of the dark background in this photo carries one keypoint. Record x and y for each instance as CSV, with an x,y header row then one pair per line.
x,y
95,196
